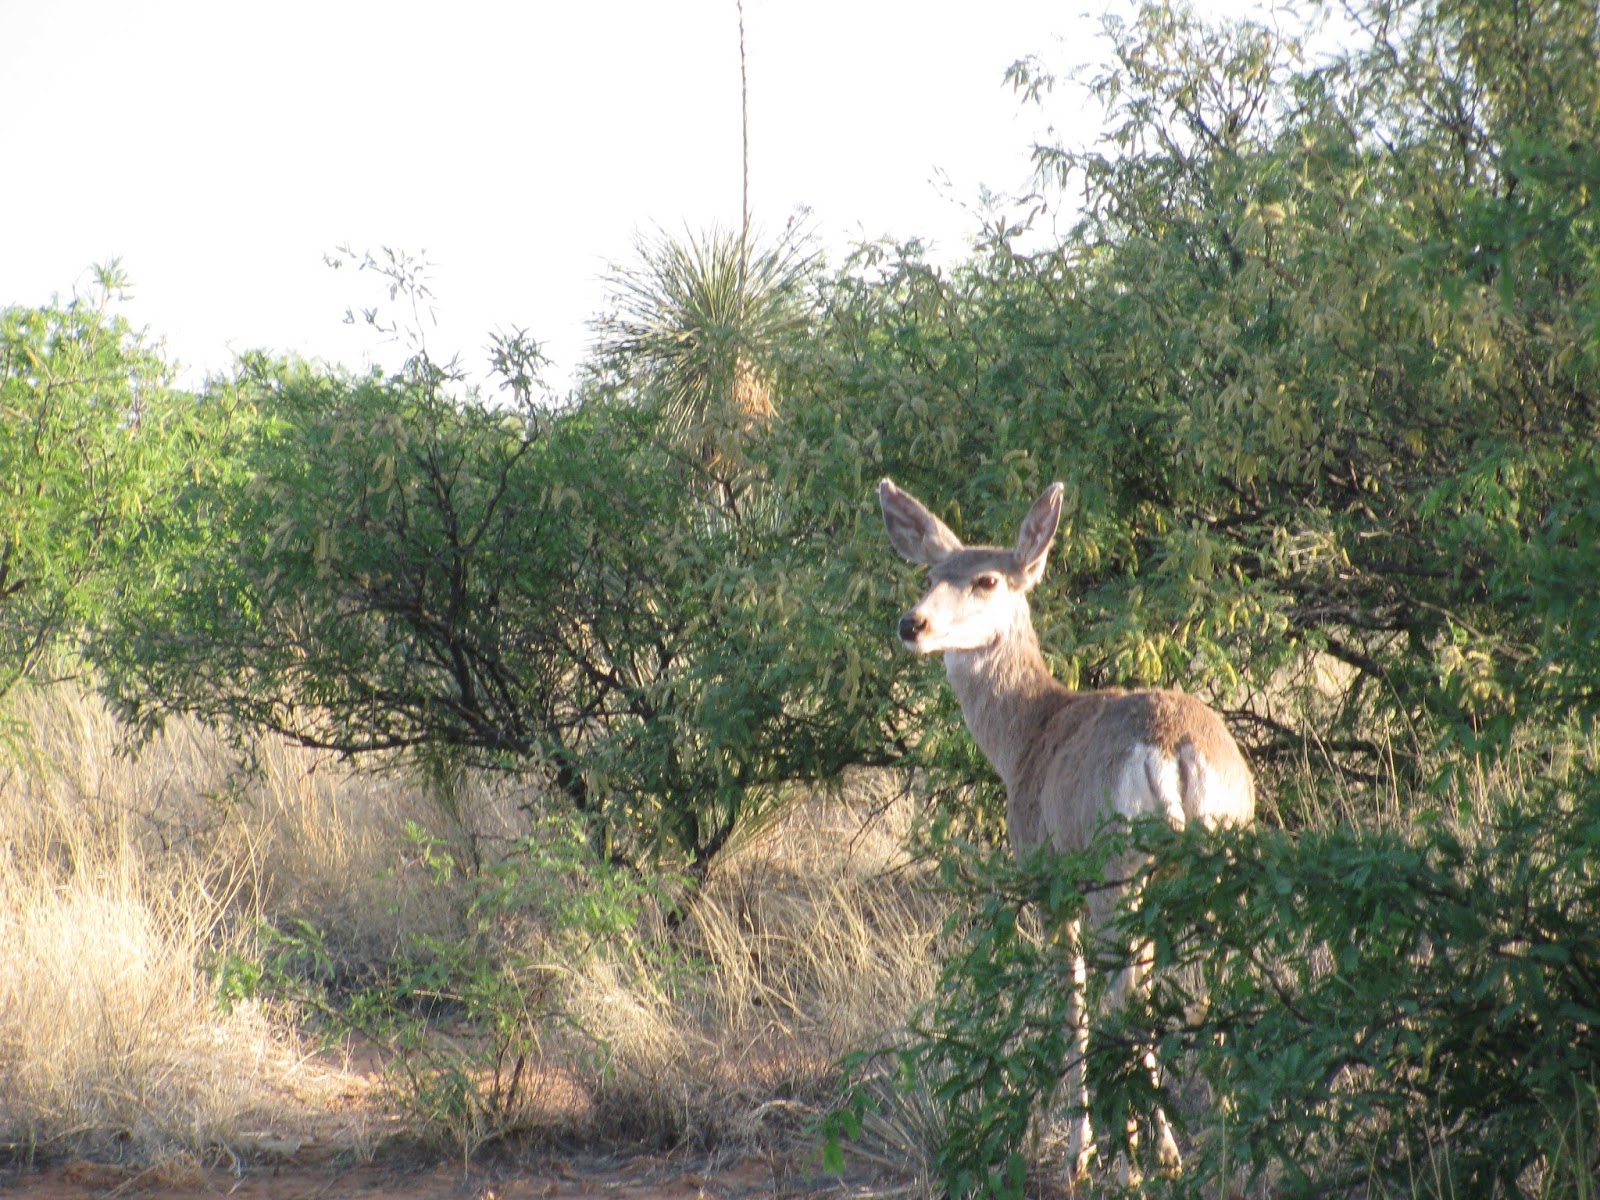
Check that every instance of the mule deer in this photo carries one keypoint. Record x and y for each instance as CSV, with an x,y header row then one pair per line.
x,y
1070,760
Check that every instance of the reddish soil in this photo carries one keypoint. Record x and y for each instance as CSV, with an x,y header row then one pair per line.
x,y
643,1178
320,1162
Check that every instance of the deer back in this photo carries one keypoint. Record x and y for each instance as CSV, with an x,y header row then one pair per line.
x,y
1095,755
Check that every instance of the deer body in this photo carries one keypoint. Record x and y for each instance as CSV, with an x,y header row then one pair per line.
x,y
1069,760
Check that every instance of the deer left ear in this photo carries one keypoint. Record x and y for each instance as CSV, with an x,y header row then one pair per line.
x,y
1038,531
916,533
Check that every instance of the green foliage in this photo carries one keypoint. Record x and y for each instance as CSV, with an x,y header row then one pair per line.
x,y
1377,1002
1315,365
461,1021
407,564
1366,1009
353,510
90,443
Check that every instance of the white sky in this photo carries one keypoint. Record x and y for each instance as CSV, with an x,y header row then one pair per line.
x,y
221,149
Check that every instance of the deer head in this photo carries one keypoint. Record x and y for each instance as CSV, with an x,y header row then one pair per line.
x,y
976,595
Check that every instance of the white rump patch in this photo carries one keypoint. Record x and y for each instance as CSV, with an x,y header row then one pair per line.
x,y
1150,785
1154,782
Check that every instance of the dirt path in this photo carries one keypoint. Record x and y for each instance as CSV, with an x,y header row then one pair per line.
x,y
317,1156
643,1178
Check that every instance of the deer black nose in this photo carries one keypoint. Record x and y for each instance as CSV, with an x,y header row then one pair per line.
x,y
911,626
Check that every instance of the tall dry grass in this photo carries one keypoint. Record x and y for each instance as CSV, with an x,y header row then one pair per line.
x,y
812,940
127,874
109,1033
110,1038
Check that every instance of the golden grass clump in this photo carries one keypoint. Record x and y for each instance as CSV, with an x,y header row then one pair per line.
x,y
110,1035
816,937
128,874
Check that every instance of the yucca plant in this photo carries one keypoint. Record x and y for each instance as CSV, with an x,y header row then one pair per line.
x,y
696,328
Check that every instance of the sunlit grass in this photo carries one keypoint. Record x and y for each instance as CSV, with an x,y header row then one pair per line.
x,y
813,940
109,1030
127,874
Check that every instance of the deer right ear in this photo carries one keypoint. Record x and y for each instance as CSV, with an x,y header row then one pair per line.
x,y
1038,531
915,532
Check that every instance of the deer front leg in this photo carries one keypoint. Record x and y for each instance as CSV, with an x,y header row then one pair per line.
x,y
1129,982
1080,1137
1166,1145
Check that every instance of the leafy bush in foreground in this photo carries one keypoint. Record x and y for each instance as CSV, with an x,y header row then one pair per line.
x,y
1365,1008
1378,1007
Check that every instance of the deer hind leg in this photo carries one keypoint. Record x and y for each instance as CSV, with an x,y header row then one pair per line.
x,y
1080,1136
1166,1145
1132,981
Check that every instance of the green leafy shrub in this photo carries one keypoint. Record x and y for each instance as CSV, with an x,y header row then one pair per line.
x,y
91,444
1383,1007
464,1023
1365,1008
407,564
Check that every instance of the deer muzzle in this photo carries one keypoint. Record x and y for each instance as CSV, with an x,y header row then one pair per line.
x,y
912,626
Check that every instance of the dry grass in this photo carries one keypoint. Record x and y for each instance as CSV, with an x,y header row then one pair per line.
x,y
111,900
814,940
110,1035
125,876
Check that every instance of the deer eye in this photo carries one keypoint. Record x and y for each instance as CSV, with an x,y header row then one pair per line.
x,y
986,582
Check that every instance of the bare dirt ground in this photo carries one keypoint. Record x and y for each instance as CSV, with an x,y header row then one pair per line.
x,y
538,1178
349,1149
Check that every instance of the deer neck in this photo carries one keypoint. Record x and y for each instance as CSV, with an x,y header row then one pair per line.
x,y
1006,693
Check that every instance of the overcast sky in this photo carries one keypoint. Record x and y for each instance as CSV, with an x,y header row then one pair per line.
x,y
223,149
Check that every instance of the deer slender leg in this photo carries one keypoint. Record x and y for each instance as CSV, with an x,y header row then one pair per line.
x,y
1166,1145
1080,1140
1129,982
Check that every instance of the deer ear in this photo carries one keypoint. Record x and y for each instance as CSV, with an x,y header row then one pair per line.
x,y
914,531
1038,531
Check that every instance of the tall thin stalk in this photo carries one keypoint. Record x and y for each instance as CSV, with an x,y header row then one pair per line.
x,y
744,132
